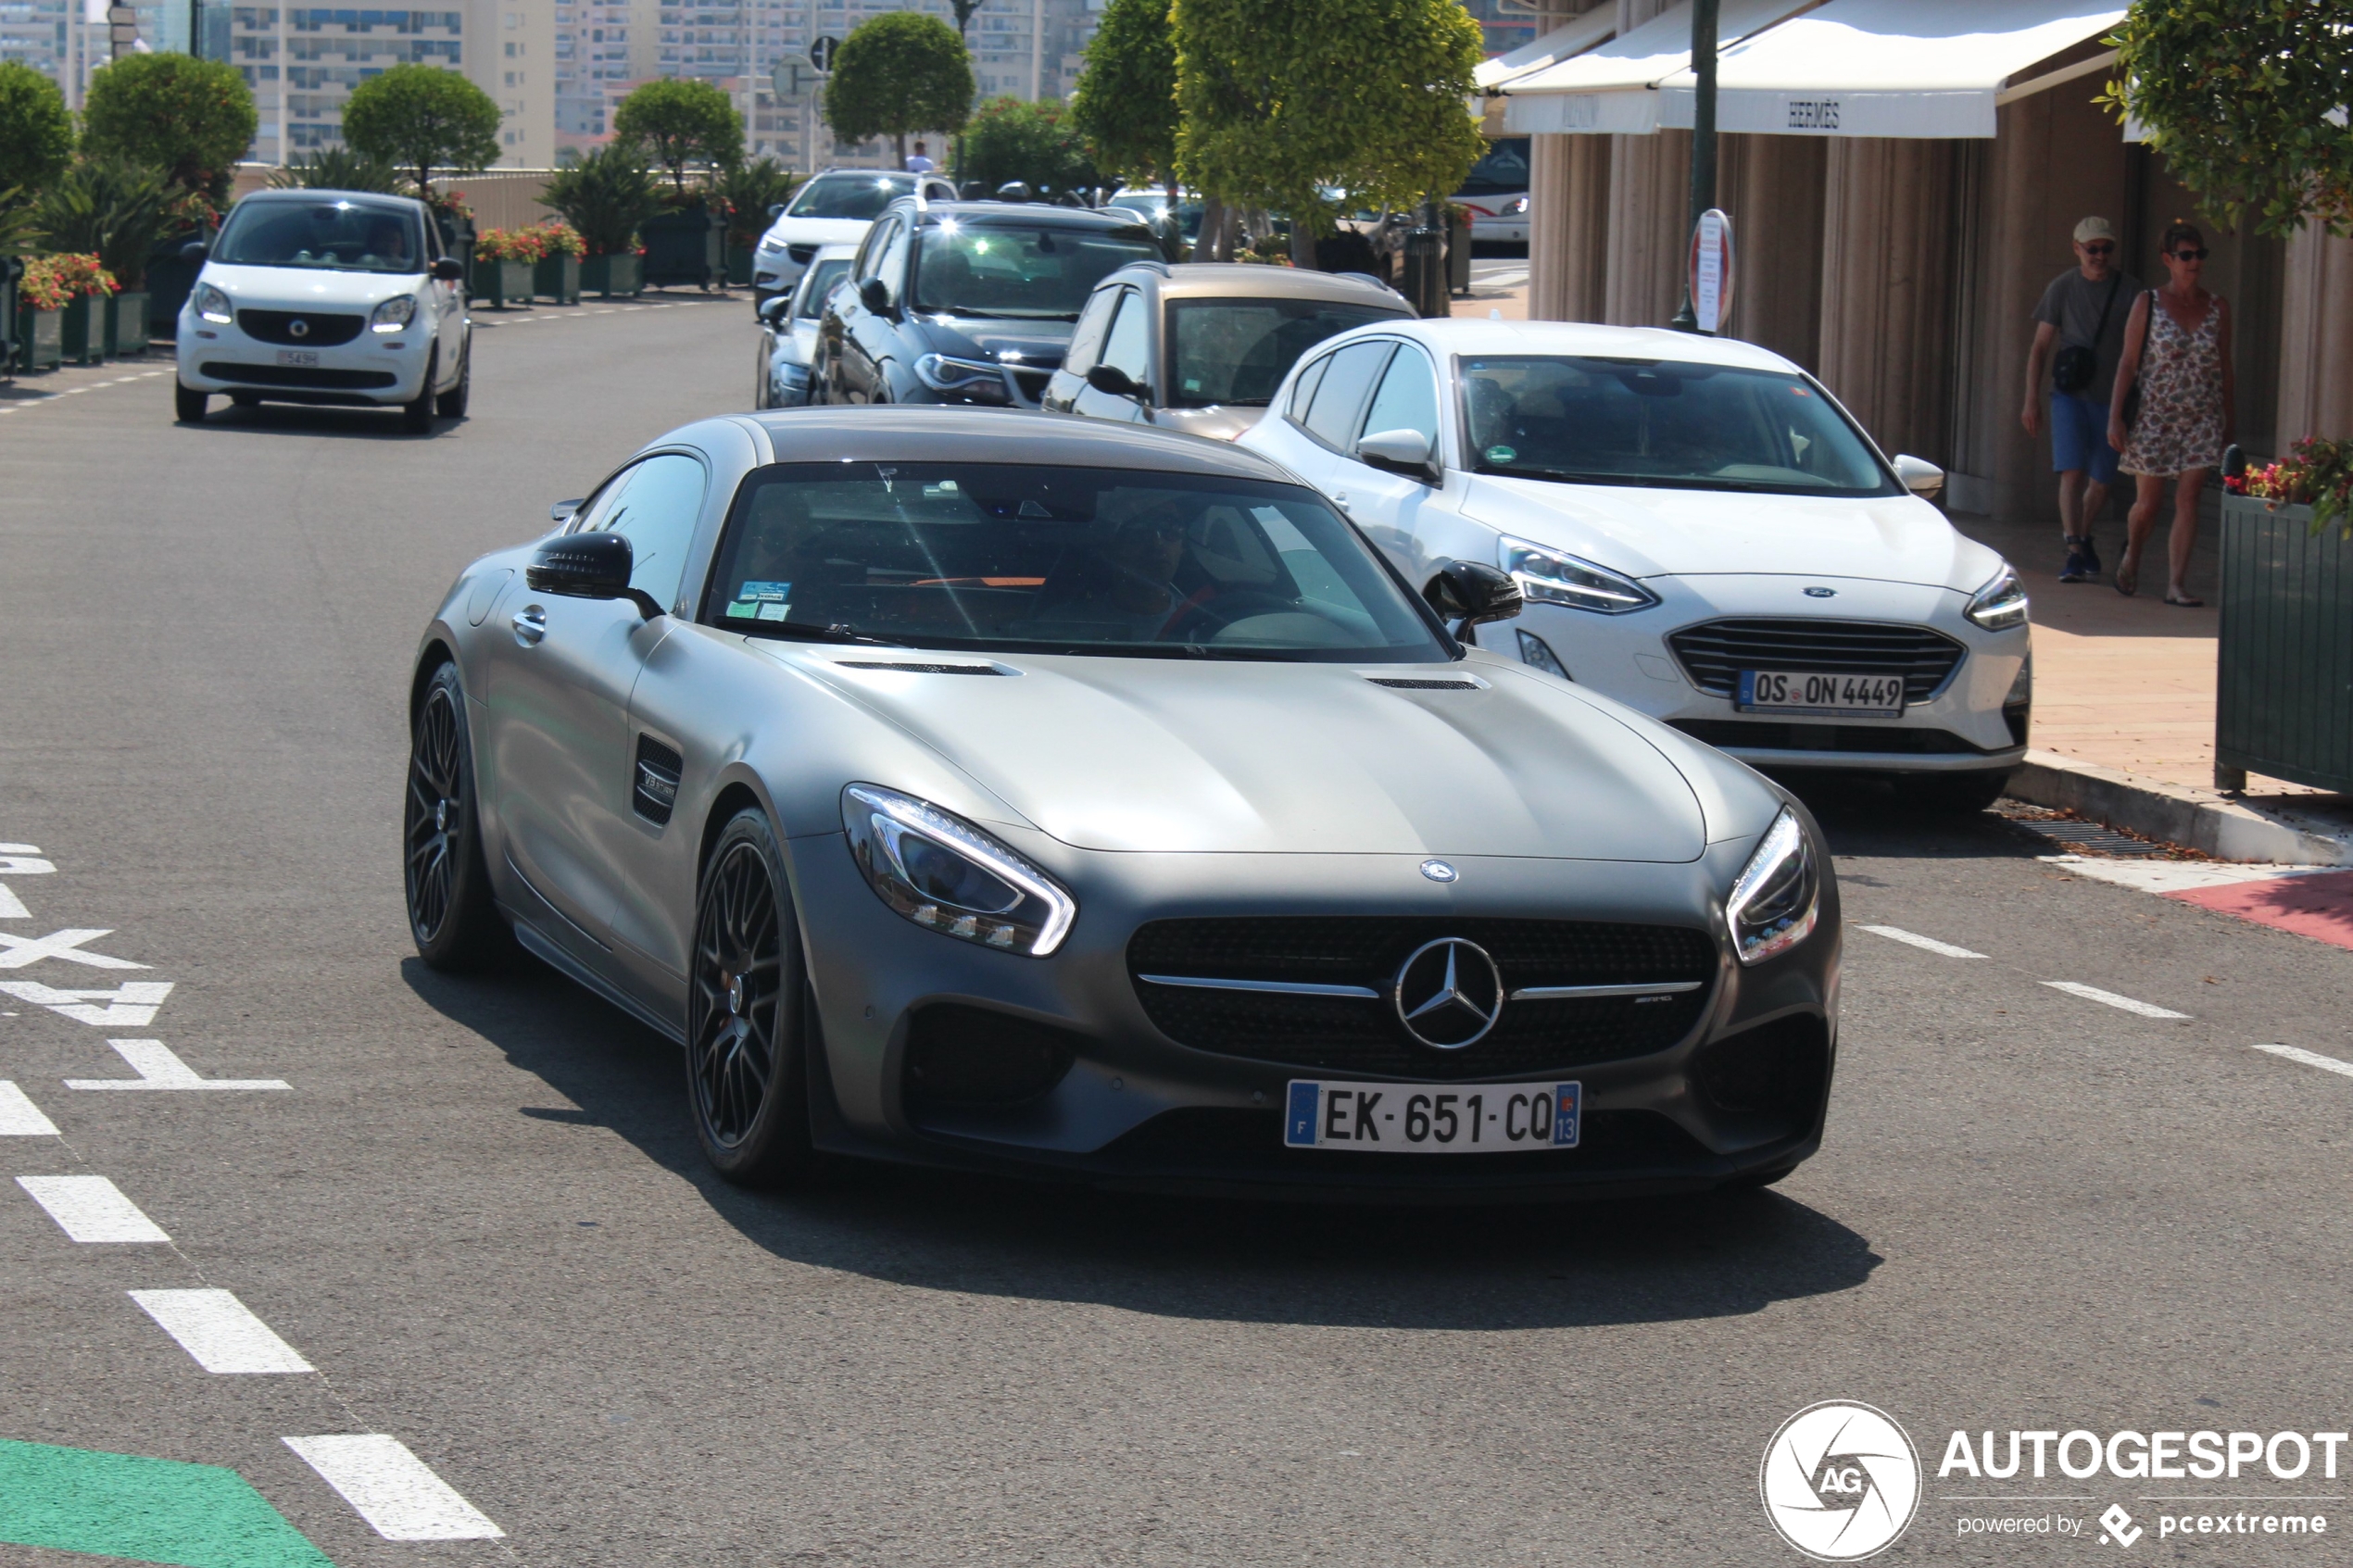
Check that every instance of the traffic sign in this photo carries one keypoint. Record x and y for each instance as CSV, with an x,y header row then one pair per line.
x,y
1712,271
794,78
822,52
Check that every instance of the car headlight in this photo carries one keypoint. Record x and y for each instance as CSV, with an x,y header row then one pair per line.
x,y
213,306
1548,577
943,372
393,314
771,245
1775,903
2001,604
948,876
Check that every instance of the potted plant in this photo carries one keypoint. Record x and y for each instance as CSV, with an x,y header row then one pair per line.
x,y
751,191
505,260
87,286
684,242
556,275
2284,692
169,274
605,197
455,222
680,122
116,211
42,299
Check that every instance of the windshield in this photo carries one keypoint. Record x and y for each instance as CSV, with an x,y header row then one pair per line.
x,y
1239,350
1660,422
822,276
1501,173
1010,270
1152,206
1057,560
850,195
346,236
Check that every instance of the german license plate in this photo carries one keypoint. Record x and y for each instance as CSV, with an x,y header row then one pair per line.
x,y
298,357
1418,1119
1829,697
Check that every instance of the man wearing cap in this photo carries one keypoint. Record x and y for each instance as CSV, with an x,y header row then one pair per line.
x,y
2083,313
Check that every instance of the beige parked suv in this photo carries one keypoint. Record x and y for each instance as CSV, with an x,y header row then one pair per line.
x,y
1201,347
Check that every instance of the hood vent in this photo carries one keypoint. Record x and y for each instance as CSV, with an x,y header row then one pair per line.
x,y
904,667
1424,683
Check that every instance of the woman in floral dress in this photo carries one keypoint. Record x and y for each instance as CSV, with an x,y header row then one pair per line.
x,y
2177,346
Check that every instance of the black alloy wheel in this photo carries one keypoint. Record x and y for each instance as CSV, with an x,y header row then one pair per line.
x,y
187,403
451,404
452,916
416,416
747,1012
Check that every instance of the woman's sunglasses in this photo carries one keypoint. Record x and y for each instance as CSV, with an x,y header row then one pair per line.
x,y
2190,254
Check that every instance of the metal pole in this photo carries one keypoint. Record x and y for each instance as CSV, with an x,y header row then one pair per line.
x,y
196,29
1702,145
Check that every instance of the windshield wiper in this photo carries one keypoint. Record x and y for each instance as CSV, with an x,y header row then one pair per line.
x,y
809,632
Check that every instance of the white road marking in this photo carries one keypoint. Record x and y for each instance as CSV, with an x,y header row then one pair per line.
x,y
2310,1058
220,1331
393,1490
12,907
2093,993
90,1208
2173,876
159,1068
19,1118
130,1005
66,945
1913,938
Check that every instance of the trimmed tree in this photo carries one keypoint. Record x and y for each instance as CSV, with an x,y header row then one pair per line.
x,y
1126,105
679,121
192,119
36,134
897,74
1010,139
2247,104
1276,102
420,117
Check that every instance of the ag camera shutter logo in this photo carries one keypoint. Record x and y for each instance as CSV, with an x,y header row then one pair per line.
x,y
1841,1481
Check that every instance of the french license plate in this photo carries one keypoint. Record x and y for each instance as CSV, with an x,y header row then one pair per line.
x,y
1831,696
299,356
1417,1119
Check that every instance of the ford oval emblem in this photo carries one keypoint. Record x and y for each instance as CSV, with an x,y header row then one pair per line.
x,y
1439,870
1821,593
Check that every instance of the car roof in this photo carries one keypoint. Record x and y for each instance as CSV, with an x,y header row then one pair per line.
x,y
1028,212
1190,280
377,198
1459,335
921,434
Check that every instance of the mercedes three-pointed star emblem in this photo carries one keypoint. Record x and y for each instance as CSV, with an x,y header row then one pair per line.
x,y
1448,994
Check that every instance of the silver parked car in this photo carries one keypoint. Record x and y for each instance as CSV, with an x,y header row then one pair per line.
x,y
789,330
961,787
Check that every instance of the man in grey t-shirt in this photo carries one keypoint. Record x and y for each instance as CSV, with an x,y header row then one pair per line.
x,y
2083,314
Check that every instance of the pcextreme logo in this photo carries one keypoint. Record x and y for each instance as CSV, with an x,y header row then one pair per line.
x,y
1841,1481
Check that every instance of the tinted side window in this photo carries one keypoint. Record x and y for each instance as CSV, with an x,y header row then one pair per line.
x,y
1407,398
1129,346
892,266
870,253
1303,391
655,505
1331,419
1087,336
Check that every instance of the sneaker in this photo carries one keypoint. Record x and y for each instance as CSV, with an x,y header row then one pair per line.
x,y
2091,556
2074,571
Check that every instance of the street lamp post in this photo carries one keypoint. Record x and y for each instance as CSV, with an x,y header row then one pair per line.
x,y
1702,137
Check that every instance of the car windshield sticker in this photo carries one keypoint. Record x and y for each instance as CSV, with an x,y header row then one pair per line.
x,y
1501,453
773,610
756,591
742,610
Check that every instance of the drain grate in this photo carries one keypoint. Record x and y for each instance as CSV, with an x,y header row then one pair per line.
x,y
2086,838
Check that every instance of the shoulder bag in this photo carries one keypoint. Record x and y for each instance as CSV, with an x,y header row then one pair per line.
x,y
2076,365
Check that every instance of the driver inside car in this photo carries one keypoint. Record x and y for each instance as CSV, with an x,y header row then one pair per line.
x,y
1128,583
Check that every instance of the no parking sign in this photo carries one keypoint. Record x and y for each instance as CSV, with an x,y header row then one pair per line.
x,y
1712,271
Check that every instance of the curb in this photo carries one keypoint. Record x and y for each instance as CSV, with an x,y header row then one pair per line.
x,y
2203,819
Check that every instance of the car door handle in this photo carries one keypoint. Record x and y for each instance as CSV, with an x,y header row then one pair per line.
x,y
530,624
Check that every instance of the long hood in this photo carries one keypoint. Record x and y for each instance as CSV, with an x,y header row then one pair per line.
x,y
1037,344
1678,532
1150,755
817,231
296,288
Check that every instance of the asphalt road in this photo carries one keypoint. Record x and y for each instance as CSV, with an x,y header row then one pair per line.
x,y
479,1214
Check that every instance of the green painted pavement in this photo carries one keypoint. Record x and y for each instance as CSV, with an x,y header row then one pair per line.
x,y
146,1510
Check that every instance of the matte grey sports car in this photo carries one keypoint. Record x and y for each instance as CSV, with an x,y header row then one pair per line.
x,y
964,787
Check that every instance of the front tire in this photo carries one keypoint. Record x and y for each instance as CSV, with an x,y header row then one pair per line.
x,y
188,404
1959,795
451,917
451,404
416,416
748,1012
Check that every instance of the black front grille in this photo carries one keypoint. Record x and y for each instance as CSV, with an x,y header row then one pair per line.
x,y
800,254
1364,1035
1766,734
319,330
297,375
968,1056
1776,1069
1714,654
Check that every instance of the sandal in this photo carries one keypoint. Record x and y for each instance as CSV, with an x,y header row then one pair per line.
x,y
2127,577
2185,602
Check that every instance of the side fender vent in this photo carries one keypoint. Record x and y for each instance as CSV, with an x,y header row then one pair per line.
x,y
905,667
659,771
1424,683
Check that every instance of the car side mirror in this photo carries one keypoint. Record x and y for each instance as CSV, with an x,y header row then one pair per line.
x,y
773,309
1919,476
448,269
1113,381
874,295
775,211
194,250
1470,593
588,566
1398,451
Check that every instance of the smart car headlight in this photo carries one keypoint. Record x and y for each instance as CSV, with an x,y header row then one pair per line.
x,y
213,306
1777,899
393,314
2001,604
947,875
1548,577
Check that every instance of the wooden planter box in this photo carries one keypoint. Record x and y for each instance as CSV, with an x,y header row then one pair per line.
x,y
2283,694
126,332
84,328
622,272
41,339
504,283
557,278
686,245
738,267
170,278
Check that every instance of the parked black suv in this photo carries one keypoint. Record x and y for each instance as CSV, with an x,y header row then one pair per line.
x,y
967,302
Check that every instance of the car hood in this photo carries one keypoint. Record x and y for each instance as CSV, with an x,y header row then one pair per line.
x,y
817,231
300,288
1034,344
1178,756
1219,422
1651,532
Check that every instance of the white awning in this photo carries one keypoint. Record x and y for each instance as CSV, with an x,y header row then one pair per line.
x,y
1892,68
1613,88
1580,34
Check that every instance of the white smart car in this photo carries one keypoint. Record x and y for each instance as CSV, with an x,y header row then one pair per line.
x,y
836,207
1699,530
327,296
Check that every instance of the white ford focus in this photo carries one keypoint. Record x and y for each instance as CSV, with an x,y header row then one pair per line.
x,y
328,296
1699,530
